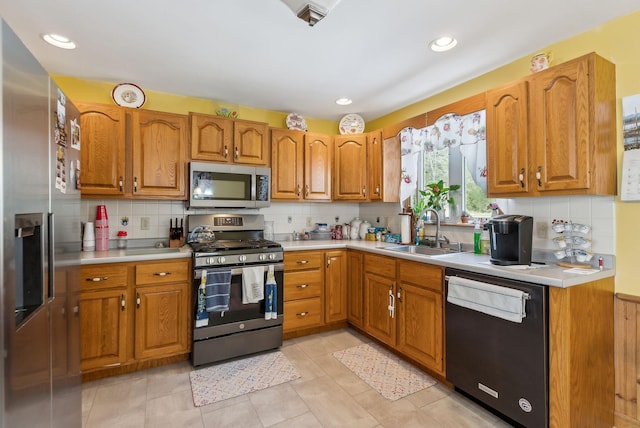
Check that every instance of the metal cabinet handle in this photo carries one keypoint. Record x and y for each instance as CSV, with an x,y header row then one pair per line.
x,y
302,314
237,153
302,262
377,192
364,191
521,177
298,191
97,279
135,184
120,183
306,190
161,273
226,152
328,261
399,294
138,300
392,303
302,286
123,302
539,176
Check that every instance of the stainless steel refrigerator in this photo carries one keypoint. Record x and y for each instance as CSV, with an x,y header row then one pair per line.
x,y
40,203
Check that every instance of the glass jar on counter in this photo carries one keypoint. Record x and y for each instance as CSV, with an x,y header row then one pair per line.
x,y
122,239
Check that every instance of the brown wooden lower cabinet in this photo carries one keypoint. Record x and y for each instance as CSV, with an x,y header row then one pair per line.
x,y
134,315
355,304
627,360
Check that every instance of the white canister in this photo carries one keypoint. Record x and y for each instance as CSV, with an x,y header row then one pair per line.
x,y
355,228
364,229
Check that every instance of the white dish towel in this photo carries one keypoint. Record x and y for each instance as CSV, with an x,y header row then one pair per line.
x,y
502,302
252,284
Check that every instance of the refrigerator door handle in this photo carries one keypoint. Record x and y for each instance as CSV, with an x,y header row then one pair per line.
x,y
50,257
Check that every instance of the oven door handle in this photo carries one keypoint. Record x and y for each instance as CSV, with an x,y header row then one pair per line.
x,y
277,267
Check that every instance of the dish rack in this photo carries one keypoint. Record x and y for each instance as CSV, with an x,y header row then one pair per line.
x,y
571,243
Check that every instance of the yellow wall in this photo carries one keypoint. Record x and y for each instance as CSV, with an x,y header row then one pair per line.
x,y
616,41
100,92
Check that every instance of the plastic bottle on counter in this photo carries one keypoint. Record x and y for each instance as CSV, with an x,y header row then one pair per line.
x,y
485,245
477,233
122,239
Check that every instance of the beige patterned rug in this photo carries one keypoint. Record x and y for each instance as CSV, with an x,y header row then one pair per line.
x,y
388,374
227,380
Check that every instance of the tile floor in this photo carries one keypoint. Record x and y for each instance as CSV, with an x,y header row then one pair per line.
x,y
327,395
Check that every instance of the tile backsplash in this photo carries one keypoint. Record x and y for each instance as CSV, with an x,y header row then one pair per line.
x,y
596,211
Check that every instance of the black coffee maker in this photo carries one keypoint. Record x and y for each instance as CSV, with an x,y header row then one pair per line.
x,y
510,239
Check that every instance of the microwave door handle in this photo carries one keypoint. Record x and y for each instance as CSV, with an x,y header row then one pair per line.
x,y
254,184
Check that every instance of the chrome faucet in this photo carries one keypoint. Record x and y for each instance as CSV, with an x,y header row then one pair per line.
x,y
437,225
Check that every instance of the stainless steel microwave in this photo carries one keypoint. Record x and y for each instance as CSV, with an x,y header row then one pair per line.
x,y
213,185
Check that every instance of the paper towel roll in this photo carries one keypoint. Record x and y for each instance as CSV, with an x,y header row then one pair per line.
x,y
405,228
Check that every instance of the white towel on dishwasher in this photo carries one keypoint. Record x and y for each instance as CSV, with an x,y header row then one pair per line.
x,y
252,284
502,302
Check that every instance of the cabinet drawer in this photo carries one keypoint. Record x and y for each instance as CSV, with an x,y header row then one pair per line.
x,y
302,284
302,313
103,276
381,265
301,260
421,275
162,273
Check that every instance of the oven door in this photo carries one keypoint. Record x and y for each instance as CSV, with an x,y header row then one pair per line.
x,y
251,314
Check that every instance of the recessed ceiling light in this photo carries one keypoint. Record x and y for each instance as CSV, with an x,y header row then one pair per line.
x,y
59,41
344,101
442,44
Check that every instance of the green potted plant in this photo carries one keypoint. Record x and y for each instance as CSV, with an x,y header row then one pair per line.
x,y
436,196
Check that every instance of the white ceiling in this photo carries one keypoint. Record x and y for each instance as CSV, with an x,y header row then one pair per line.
x,y
258,53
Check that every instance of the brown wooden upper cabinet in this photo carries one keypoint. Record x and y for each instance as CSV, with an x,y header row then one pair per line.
x,y
554,132
102,157
350,168
374,149
301,165
146,160
220,139
159,154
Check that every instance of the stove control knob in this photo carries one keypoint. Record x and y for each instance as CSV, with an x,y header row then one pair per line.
x,y
242,258
272,256
221,260
210,261
262,257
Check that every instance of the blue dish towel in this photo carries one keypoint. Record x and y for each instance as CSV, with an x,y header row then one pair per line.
x,y
218,288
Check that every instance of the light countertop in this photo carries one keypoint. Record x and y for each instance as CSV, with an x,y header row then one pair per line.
x,y
547,274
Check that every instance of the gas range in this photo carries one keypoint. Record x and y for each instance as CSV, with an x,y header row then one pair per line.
x,y
234,239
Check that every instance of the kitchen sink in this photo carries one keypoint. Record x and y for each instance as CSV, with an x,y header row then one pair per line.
x,y
417,249
149,251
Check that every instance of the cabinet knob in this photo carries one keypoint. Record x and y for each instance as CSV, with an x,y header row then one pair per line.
x,y
306,190
137,300
237,153
298,192
364,191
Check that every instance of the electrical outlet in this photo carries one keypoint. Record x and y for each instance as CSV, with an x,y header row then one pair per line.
x,y
337,219
542,230
145,223
309,220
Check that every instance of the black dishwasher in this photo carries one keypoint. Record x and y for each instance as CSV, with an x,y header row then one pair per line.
x,y
500,362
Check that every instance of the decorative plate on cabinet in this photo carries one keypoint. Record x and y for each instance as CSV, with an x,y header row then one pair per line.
x,y
352,124
297,122
128,95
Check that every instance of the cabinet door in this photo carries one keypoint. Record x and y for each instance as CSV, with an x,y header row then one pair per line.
x,y
102,158
355,296
379,320
374,152
507,139
335,303
103,321
287,167
159,153
211,137
350,168
250,142
420,325
561,126
317,167
162,320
